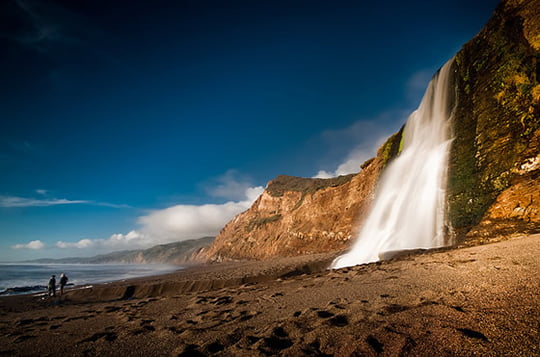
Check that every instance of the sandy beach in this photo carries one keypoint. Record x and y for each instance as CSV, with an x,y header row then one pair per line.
x,y
481,300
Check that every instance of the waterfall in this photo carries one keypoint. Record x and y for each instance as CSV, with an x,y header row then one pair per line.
x,y
409,207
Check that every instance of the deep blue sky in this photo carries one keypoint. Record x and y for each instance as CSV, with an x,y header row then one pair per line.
x,y
113,111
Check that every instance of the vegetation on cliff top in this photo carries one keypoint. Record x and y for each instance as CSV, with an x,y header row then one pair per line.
x,y
284,183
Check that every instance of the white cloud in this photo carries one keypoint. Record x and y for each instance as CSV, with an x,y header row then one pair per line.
x,y
119,240
35,244
252,193
14,201
83,243
365,137
231,186
176,223
186,221
131,240
106,204
373,133
350,165
183,222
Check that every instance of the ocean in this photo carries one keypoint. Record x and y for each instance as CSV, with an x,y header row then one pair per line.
x,y
33,278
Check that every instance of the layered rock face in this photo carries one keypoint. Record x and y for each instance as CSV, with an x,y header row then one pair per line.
x,y
495,159
296,216
494,173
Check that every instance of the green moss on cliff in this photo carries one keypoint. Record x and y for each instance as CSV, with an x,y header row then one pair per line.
x,y
392,147
498,110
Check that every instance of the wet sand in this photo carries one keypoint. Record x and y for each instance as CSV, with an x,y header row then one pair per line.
x,y
480,300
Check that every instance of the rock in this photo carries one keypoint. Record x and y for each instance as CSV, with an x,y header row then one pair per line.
x,y
495,155
493,183
298,216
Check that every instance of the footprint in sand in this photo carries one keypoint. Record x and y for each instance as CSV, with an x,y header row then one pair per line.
x,y
314,349
324,314
339,320
175,330
223,300
338,304
83,317
276,342
147,325
106,335
215,347
31,321
393,309
191,350
23,338
109,309
473,334
375,344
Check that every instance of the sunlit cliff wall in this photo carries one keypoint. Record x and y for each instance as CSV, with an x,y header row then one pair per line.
x,y
494,172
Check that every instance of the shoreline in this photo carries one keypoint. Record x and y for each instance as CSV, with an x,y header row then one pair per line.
x,y
188,279
39,287
464,301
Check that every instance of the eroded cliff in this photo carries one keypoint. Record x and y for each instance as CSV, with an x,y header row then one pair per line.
x,y
494,171
495,160
296,216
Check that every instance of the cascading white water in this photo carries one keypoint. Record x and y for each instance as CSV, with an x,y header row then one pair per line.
x,y
409,207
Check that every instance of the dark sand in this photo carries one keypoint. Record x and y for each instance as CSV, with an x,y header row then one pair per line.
x,y
481,300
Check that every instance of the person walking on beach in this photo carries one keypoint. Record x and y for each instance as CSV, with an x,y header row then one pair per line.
x,y
63,282
52,286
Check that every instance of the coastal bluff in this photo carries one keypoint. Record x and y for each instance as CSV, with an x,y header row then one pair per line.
x,y
299,216
494,167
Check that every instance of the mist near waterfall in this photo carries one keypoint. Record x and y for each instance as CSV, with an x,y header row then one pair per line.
x,y
409,207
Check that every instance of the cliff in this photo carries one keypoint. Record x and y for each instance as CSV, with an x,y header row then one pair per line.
x,y
494,166
296,216
495,161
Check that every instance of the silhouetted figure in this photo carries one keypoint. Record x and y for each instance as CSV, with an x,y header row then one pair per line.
x,y
63,282
52,286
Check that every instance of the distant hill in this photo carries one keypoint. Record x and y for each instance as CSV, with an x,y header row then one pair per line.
x,y
184,252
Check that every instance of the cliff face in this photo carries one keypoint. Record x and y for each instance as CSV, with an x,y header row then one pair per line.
x,y
297,216
495,160
494,173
